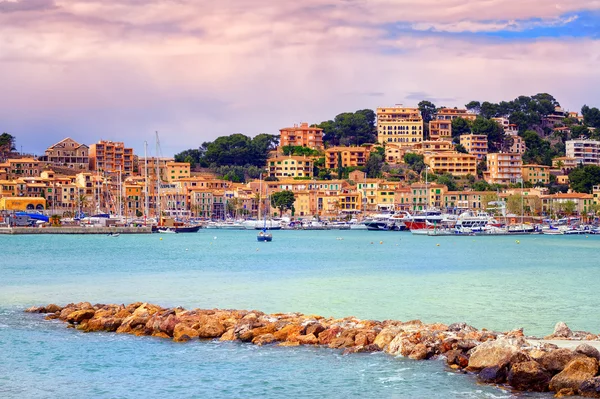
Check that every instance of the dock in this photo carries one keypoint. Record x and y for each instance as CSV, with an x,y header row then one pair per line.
x,y
76,230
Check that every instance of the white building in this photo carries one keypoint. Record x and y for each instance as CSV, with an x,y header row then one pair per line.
x,y
584,151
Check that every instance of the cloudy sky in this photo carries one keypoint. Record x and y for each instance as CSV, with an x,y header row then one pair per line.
x,y
197,69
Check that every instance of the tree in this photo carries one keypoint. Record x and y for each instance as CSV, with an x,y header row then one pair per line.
x,y
579,131
414,161
584,178
283,200
460,126
189,159
447,180
7,145
427,109
473,106
460,148
193,154
493,131
373,165
514,204
591,116
350,128
569,207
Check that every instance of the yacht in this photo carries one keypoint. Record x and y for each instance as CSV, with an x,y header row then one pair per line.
x,y
428,220
475,222
386,222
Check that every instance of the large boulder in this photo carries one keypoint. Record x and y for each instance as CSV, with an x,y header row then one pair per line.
x,y
588,350
419,352
457,357
264,339
574,374
493,375
556,360
386,336
289,332
590,388
400,346
561,330
80,315
183,333
326,337
491,354
210,327
528,376
314,328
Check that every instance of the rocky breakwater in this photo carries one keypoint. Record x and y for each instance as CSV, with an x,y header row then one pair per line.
x,y
505,359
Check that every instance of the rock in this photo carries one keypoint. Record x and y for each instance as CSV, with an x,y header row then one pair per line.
x,y
80,315
565,392
345,340
288,333
493,375
519,357
574,374
314,328
52,308
528,376
457,358
386,336
264,339
365,337
562,331
110,324
229,335
327,336
36,309
362,349
210,327
400,346
183,333
461,327
288,343
308,339
419,352
168,324
588,350
492,353
555,361
590,388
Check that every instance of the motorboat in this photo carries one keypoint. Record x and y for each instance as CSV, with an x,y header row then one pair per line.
x,y
263,236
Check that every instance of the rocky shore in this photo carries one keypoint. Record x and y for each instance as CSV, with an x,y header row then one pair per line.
x,y
505,359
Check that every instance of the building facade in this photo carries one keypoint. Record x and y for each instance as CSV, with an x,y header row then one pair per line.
x,y
399,125
440,130
586,152
536,174
475,144
350,156
518,145
111,157
68,153
454,163
290,166
449,114
503,168
301,136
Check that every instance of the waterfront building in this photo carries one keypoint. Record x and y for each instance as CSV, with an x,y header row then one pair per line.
x,y
302,136
111,157
290,166
586,152
350,156
175,171
503,168
22,203
475,144
399,125
596,195
426,196
403,198
68,153
452,162
536,174
449,114
349,201
440,130
460,201
556,203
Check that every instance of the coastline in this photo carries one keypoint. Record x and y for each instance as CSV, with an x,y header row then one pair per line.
x,y
76,230
507,359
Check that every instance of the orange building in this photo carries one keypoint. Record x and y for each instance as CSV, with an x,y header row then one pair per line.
x,y
112,157
454,163
440,130
301,136
503,168
351,156
449,114
475,144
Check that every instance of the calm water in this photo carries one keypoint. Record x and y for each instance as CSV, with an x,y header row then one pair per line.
x,y
491,282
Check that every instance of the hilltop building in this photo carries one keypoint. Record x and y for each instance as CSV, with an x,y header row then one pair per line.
x,y
301,136
399,125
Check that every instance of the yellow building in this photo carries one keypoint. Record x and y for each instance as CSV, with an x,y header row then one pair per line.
x,y
503,168
399,125
564,163
518,145
23,167
351,156
454,163
536,174
290,166
440,130
449,114
462,200
22,203
596,195
394,153
475,144
430,146
176,171
427,196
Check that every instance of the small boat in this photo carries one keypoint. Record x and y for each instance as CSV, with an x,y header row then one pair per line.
x,y
263,236
167,231
113,234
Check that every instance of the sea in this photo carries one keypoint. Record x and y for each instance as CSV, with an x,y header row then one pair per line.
x,y
498,283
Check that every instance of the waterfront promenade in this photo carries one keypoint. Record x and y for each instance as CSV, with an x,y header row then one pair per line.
x,y
76,230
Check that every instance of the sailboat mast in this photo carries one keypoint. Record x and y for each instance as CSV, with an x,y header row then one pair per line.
x,y
145,181
158,199
259,195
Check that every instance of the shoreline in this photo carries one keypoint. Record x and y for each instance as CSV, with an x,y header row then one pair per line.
x,y
506,359
75,230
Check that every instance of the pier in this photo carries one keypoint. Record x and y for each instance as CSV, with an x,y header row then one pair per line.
x,y
76,230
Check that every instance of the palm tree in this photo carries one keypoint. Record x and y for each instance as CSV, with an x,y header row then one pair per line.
x,y
55,220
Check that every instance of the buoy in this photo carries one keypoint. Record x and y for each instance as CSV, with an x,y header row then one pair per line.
x,y
371,242
381,242
437,245
215,237
257,249
518,242
161,238
186,249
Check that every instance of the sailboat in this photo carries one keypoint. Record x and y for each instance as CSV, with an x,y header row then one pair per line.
x,y
263,236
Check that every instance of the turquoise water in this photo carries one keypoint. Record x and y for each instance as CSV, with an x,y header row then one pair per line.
x,y
491,282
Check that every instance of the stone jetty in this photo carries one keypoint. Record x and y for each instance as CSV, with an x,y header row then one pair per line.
x,y
506,359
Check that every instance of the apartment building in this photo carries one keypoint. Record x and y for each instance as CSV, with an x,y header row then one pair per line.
x,y
556,203
427,195
111,157
350,156
290,166
302,136
475,144
596,195
433,146
394,153
452,162
503,168
449,114
586,152
510,129
518,145
399,125
440,130
536,174
175,171
68,153
22,167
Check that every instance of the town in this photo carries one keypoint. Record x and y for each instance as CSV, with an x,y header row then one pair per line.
x,y
414,159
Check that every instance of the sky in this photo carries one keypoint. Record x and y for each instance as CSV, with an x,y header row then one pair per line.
x,y
193,70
